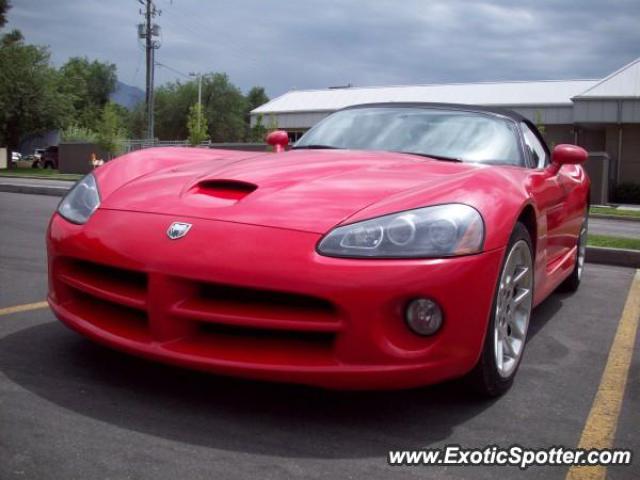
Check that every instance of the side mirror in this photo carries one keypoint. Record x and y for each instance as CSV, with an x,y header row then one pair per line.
x,y
279,140
566,154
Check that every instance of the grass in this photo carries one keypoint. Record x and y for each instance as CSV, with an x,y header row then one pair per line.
x,y
613,242
38,173
615,212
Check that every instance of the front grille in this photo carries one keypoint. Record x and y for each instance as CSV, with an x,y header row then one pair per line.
x,y
110,284
114,318
262,346
215,320
232,305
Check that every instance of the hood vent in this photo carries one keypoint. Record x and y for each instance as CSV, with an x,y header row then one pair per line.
x,y
231,190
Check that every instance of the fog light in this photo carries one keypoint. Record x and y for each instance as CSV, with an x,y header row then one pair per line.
x,y
424,316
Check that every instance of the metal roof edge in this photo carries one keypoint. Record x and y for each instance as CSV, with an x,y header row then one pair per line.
x,y
610,76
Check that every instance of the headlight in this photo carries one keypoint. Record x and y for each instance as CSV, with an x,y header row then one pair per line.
x,y
81,201
439,231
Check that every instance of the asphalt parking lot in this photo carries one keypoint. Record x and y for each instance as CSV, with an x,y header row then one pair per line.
x,y
71,409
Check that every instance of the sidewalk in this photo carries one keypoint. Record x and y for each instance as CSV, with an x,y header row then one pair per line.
x,y
614,227
35,186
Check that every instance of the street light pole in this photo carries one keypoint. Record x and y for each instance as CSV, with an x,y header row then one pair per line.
x,y
199,75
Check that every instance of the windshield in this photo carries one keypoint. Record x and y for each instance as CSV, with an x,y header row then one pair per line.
x,y
445,134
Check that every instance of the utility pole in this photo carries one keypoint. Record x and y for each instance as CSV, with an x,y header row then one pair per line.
x,y
149,31
199,75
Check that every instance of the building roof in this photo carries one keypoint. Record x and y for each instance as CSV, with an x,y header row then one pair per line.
x,y
547,92
623,83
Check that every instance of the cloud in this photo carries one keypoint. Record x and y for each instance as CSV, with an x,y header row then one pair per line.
x,y
313,44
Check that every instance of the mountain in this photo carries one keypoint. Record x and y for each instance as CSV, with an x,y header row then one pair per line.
x,y
126,95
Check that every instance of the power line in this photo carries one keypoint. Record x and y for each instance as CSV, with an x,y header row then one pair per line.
x,y
158,64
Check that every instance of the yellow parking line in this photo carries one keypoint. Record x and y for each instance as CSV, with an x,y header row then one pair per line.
x,y
23,308
600,429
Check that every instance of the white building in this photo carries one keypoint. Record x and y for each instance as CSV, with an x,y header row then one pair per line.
x,y
600,115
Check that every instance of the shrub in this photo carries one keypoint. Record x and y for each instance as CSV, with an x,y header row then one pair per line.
x,y
627,192
197,125
111,134
76,133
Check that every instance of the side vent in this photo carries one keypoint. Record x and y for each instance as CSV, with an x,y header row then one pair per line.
x,y
232,190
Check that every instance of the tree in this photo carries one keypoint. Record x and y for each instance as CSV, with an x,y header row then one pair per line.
x,y
138,121
256,98
4,6
225,108
31,99
172,103
89,84
110,131
12,38
258,131
197,125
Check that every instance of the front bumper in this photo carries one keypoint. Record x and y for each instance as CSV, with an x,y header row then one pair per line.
x,y
259,302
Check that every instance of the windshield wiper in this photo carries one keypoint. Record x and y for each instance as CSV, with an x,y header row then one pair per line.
x,y
436,157
316,147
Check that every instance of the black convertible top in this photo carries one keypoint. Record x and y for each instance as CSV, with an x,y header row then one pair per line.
x,y
448,106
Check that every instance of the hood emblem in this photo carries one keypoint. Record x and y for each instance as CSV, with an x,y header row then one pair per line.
x,y
178,230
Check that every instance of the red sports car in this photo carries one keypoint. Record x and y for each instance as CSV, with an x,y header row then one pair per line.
x,y
395,245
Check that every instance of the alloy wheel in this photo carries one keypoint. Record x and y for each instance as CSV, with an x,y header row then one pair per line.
x,y
513,308
582,249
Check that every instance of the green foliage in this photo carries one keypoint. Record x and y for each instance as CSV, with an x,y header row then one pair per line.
x,y
89,85
225,108
258,131
613,242
124,118
172,103
615,212
138,121
4,6
272,124
197,125
31,97
110,131
77,133
256,97
35,97
11,38
627,192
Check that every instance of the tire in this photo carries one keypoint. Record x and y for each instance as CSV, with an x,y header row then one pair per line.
x,y
509,321
572,282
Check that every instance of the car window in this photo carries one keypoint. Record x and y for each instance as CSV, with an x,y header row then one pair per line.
x,y
536,149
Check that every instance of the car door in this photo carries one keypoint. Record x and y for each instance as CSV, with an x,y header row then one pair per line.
x,y
550,190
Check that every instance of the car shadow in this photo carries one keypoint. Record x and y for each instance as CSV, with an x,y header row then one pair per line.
x,y
234,414
545,312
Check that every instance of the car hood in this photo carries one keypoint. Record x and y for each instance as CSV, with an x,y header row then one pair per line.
x,y
301,189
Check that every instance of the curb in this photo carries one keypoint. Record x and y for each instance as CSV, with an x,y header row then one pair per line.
x,y
614,217
614,256
42,177
35,189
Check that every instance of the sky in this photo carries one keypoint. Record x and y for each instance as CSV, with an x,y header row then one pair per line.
x,y
301,44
